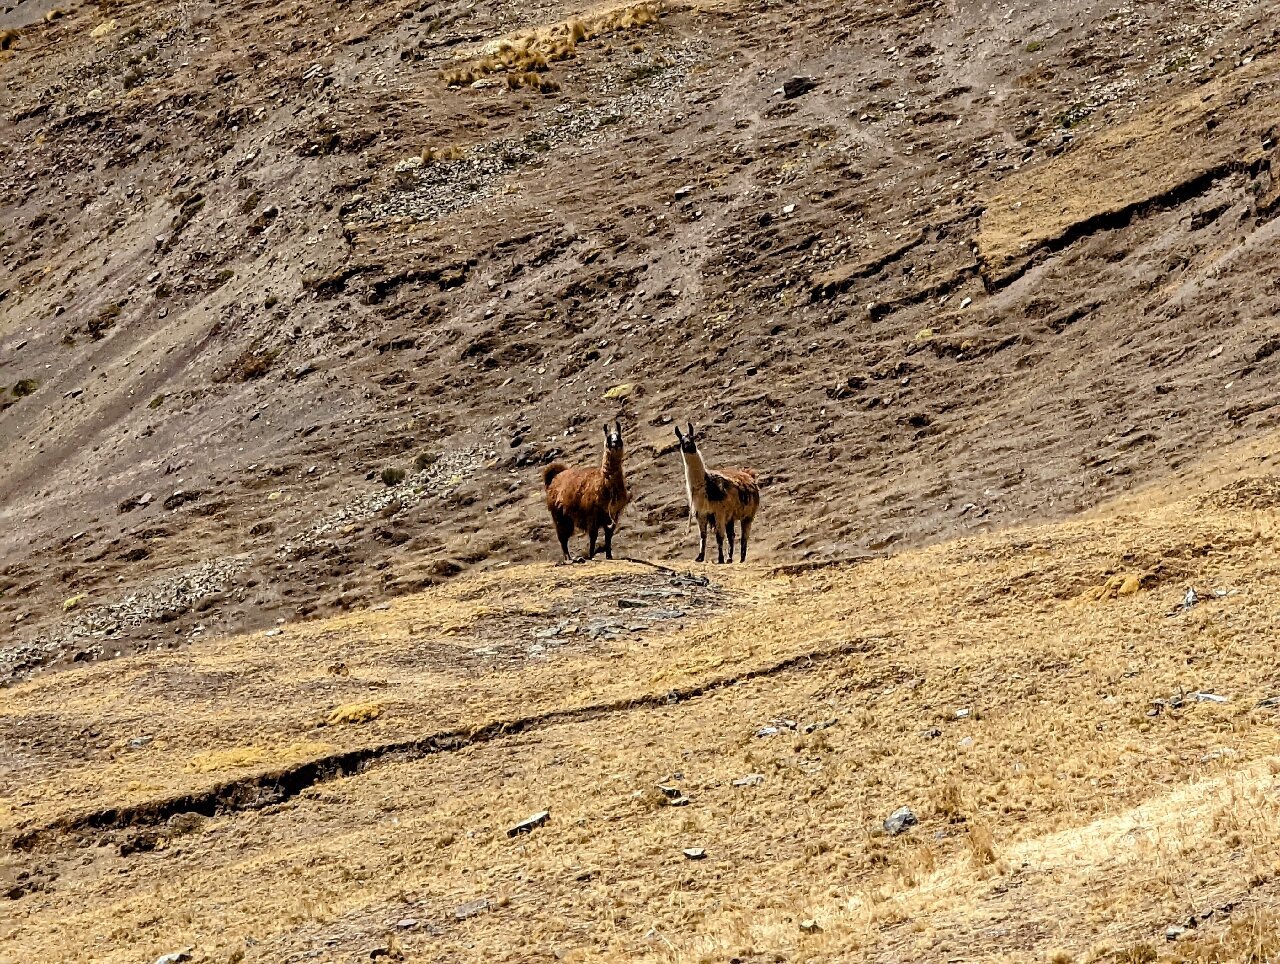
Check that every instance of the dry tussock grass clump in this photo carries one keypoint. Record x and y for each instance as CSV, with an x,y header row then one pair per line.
x,y
530,53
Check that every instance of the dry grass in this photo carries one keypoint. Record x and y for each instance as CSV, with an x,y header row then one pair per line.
x,y
527,54
1128,164
1061,818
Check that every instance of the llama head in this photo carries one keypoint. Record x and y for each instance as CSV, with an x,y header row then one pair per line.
x,y
613,440
688,444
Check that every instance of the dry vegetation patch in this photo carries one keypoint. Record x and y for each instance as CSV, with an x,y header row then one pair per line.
x,y
1166,149
523,55
1086,776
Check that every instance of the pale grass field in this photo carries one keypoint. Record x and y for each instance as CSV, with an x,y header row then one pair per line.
x,y
1058,819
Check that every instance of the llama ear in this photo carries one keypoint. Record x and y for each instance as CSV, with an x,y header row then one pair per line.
x,y
690,430
678,435
617,427
606,431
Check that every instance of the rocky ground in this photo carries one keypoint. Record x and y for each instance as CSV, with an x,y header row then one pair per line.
x,y
252,256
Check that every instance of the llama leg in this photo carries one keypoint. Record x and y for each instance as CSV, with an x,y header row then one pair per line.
x,y
564,532
608,542
746,530
702,533
720,540
729,529
593,533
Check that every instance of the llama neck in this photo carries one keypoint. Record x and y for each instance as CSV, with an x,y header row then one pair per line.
x,y
612,465
695,472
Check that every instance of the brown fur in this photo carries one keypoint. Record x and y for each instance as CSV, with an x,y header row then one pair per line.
x,y
718,498
587,500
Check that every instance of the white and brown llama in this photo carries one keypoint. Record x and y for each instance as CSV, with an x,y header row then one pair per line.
x,y
718,497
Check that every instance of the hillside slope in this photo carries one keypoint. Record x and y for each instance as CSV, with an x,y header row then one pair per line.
x,y
1090,756
998,263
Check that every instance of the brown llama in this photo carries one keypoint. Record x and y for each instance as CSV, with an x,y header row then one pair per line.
x,y
718,498
588,499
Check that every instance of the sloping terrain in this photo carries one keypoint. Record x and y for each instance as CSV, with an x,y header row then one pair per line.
x,y
297,299
1091,758
1000,262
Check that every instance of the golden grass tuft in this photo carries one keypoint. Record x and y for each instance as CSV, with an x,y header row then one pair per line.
x,y
8,38
352,713
534,51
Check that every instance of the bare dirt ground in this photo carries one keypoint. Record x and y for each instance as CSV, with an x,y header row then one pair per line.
x,y
990,303
1002,261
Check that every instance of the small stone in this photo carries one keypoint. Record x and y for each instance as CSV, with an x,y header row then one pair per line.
x,y
532,823
409,923
962,714
679,802
175,958
471,908
765,731
181,823
821,725
694,853
1209,698
684,191
966,303
798,87
899,821
810,927
750,780
789,209
670,793
625,603
1174,932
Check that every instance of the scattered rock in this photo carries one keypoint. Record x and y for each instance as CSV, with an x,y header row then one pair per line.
x,y
626,603
810,927
532,823
798,87
694,853
899,821
184,823
821,725
471,908
409,923
671,793
1209,698
1174,932
750,780
175,958
765,731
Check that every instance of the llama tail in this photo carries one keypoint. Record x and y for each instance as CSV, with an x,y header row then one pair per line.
x,y
551,471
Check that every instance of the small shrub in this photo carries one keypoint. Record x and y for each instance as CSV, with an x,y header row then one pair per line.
x,y
431,155
25,387
424,461
982,845
253,364
156,402
392,476
101,323
1035,46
